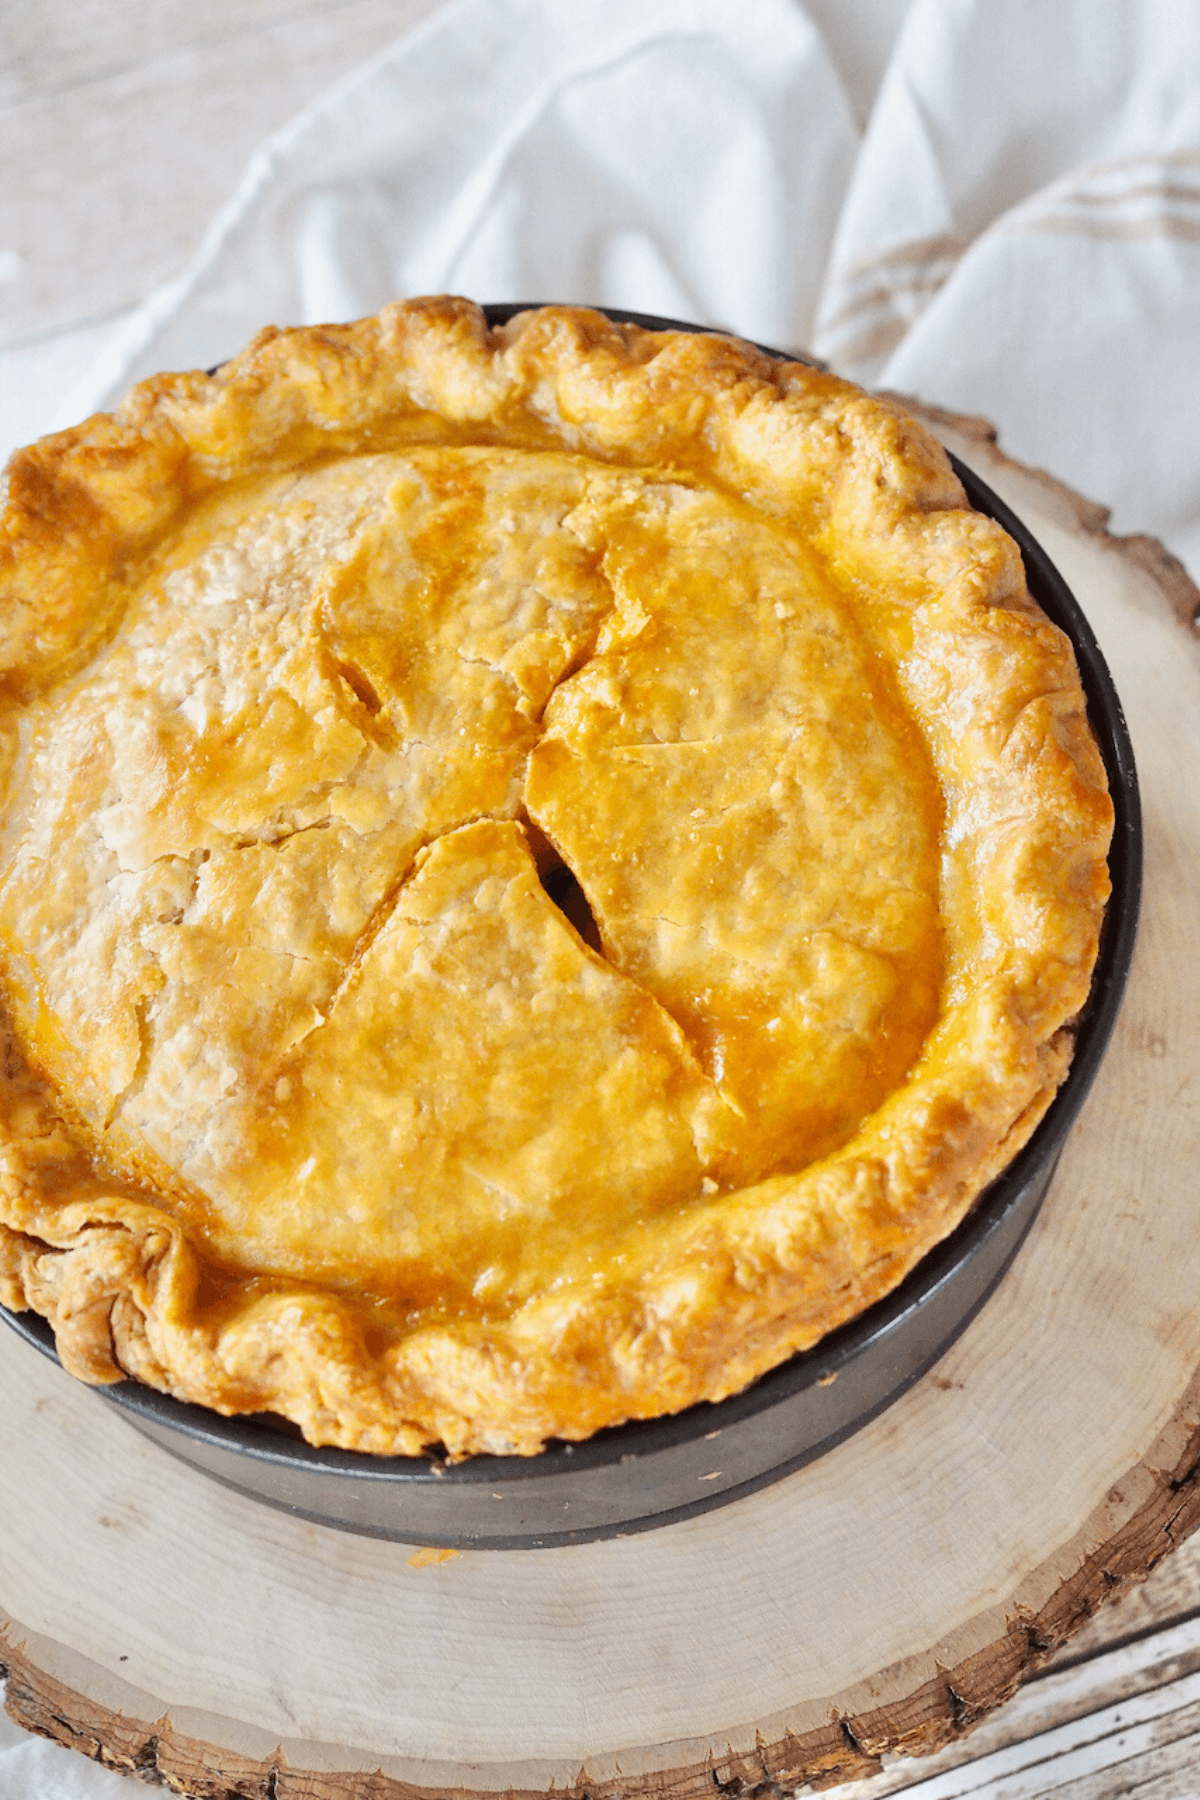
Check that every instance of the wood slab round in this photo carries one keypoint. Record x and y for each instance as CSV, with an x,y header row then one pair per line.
x,y
883,1598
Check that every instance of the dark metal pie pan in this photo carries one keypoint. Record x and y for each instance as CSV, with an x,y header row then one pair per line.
x,y
637,1476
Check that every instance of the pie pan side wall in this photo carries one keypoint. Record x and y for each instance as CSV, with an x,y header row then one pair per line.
x,y
640,1475
630,1478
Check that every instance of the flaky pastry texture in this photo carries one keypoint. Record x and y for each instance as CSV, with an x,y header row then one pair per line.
x,y
542,870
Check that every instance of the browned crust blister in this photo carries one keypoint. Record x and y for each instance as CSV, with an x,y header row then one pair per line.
x,y
713,1294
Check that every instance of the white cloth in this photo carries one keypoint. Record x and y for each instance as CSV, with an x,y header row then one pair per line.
x,y
676,156
1016,232
1021,239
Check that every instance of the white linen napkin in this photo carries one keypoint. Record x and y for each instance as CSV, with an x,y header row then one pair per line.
x,y
671,156
1016,234
1021,239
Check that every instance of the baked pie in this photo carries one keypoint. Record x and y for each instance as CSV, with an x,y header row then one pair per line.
x,y
543,868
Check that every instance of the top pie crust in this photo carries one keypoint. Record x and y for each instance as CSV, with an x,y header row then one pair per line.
x,y
315,670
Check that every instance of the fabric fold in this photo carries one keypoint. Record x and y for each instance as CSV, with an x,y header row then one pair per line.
x,y
666,157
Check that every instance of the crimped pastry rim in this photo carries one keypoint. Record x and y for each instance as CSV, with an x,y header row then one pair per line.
x,y
559,344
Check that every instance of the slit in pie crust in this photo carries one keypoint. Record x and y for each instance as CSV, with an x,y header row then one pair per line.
x,y
542,870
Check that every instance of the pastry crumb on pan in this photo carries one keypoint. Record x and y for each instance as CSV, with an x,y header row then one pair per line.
x,y
543,869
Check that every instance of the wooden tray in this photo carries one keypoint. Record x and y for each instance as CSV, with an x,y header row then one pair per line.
x,y
885,1597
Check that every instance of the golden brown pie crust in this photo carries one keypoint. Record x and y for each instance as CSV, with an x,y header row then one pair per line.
x,y
315,672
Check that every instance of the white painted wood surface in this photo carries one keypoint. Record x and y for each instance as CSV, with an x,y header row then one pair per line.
x,y
1121,1722
123,126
